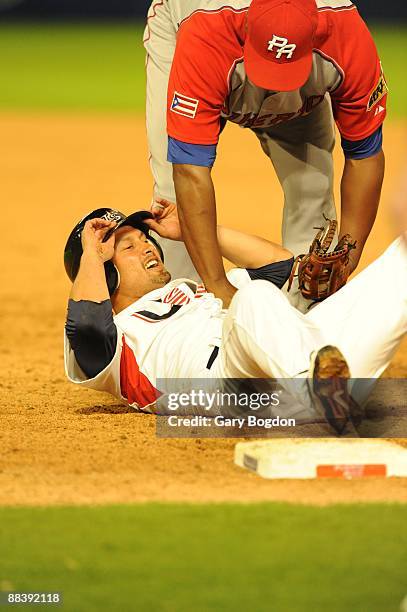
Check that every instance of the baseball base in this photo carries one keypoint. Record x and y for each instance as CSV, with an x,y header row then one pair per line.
x,y
322,458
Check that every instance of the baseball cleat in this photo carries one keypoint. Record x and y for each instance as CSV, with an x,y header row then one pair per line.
x,y
329,388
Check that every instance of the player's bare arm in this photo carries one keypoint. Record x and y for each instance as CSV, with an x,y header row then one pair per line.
x,y
90,283
242,249
249,251
360,192
197,213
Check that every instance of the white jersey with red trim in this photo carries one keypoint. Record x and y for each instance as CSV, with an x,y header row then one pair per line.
x,y
168,333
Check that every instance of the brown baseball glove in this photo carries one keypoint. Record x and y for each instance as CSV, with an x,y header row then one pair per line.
x,y
321,272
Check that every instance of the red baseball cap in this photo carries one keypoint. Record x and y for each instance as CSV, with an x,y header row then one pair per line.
x,y
279,43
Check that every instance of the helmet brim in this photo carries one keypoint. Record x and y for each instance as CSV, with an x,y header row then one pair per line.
x,y
137,220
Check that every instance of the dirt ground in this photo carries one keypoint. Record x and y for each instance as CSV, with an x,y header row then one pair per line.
x,y
63,445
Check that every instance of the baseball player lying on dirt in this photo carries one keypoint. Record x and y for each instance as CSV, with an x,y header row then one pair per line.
x,y
129,324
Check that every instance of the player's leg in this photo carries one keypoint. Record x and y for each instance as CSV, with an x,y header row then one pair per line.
x,y
367,318
159,42
264,336
301,153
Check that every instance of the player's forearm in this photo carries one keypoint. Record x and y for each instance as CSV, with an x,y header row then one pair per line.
x,y
90,283
197,216
248,251
360,195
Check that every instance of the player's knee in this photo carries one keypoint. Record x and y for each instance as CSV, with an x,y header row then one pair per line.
x,y
317,187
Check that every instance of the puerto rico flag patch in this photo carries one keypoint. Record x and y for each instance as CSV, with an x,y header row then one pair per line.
x,y
183,105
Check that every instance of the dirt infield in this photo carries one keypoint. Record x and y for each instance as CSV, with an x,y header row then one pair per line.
x,y
60,444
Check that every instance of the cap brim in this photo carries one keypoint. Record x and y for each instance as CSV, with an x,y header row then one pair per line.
x,y
267,74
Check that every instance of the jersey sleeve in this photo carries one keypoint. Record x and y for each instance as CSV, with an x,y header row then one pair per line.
x,y
366,147
192,154
122,377
92,334
198,83
359,103
107,380
276,273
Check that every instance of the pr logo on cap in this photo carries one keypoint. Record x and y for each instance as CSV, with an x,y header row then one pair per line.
x,y
283,46
282,61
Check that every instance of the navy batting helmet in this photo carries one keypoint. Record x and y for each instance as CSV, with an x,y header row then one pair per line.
x,y
73,249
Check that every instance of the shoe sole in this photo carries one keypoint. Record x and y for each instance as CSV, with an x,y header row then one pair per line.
x,y
329,386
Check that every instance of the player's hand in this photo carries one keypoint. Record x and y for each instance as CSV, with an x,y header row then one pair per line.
x,y
165,222
93,234
353,261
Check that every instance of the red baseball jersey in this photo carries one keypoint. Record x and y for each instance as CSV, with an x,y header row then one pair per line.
x,y
208,81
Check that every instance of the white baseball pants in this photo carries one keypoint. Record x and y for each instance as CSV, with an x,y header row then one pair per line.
x,y
264,336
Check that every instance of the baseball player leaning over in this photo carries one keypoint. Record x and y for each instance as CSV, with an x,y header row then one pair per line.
x,y
278,67
129,324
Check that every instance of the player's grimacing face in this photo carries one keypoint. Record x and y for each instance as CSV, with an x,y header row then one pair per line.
x,y
138,262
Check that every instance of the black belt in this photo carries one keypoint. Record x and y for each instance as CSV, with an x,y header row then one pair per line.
x,y
212,357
